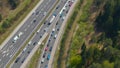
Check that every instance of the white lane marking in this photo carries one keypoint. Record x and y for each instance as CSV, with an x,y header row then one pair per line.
x,y
3,52
7,54
4,55
10,55
25,29
0,59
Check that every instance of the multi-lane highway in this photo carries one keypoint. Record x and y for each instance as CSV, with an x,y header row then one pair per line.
x,y
25,31
46,54
46,27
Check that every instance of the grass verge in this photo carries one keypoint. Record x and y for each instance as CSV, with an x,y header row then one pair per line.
x,y
59,53
20,16
67,38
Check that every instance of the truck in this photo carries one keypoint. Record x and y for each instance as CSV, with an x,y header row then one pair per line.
x,y
51,20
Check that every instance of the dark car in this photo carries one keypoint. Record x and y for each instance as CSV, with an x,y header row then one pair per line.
x,y
44,55
28,52
23,60
17,59
37,13
34,20
46,66
40,36
34,43
50,48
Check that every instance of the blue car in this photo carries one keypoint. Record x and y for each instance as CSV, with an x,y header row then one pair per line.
x,y
48,57
46,66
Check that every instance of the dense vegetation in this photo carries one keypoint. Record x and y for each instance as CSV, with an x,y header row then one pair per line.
x,y
13,3
104,50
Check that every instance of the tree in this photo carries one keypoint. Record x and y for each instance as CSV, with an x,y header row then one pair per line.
x,y
107,64
13,3
75,61
95,65
117,63
0,17
6,24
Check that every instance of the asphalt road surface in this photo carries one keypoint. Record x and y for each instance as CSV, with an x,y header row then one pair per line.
x,y
46,27
53,35
11,47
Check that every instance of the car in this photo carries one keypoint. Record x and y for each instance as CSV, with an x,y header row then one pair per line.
x,y
57,29
55,36
24,50
46,66
17,59
37,12
49,40
20,34
28,52
34,20
40,36
67,11
48,56
45,29
29,42
34,43
15,39
57,23
57,6
42,61
44,55
46,48
45,22
47,45
23,60
50,48
53,30
49,23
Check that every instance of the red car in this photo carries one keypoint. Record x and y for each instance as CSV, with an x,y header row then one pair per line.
x,y
46,48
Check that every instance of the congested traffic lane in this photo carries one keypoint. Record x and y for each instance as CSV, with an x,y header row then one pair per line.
x,y
52,37
11,47
25,53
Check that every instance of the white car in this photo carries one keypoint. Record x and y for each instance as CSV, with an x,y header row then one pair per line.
x,y
15,39
55,36
42,61
53,30
20,34
29,42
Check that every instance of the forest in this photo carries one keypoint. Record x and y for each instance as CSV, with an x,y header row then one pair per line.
x,y
105,49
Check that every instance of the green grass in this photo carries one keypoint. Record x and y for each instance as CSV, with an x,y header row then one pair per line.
x,y
59,53
18,15
84,29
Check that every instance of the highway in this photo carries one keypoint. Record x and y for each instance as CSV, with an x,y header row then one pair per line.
x,y
46,27
25,31
46,54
